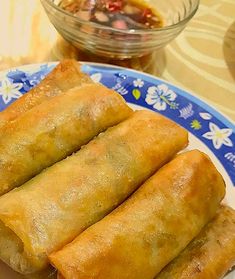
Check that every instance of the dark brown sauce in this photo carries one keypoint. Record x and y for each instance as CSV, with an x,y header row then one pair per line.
x,y
119,14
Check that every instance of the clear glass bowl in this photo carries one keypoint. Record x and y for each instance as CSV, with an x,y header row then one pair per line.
x,y
121,44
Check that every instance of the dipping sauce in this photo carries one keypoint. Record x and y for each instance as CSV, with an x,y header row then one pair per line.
x,y
119,14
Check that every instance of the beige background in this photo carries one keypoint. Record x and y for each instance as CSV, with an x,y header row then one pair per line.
x,y
201,59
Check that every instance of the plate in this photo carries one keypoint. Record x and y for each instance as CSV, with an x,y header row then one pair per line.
x,y
209,130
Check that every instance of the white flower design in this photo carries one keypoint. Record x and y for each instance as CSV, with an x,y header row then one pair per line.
x,y
219,136
160,96
205,115
187,111
9,90
230,157
96,77
138,83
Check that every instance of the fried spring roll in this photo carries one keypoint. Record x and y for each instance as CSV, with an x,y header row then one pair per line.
x,y
148,230
65,76
8,273
210,255
55,129
50,210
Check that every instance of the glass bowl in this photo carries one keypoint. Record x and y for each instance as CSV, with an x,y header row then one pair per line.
x,y
121,44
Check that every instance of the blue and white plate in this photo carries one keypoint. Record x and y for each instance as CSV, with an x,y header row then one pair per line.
x,y
209,130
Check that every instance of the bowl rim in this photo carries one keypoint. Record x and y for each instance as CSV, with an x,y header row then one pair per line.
x,y
121,31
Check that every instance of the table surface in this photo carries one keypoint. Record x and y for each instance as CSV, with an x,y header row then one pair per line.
x,y
201,59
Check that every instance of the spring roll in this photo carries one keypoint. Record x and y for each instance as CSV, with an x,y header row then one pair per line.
x,y
55,129
7,273
147,231
210,255
50,210
64,77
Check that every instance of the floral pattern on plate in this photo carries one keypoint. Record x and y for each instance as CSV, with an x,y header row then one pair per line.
x,y
17,82
204,122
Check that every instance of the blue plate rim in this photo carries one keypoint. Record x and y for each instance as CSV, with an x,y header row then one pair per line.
x,y
186,96
186,93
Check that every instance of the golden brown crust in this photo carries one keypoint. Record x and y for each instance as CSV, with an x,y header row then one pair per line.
x,y
60,276
54,130
8,273
210,255
148,230
65,76
51,209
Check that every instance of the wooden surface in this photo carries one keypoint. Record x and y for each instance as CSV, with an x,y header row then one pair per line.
x,y
201,59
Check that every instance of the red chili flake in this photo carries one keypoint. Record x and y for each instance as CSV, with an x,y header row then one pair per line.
x,y
147,13
114,6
